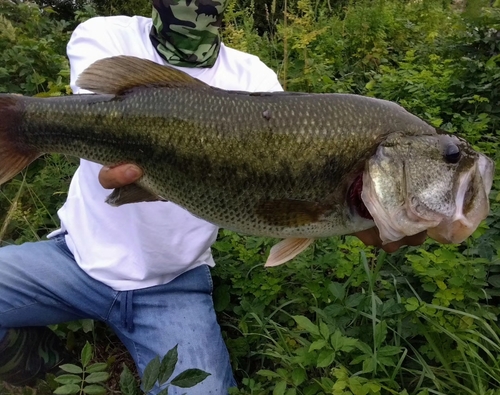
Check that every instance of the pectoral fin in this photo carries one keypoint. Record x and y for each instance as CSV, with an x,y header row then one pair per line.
x,y
132,193
286,250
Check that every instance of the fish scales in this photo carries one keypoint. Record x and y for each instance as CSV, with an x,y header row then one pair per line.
x,y
227,153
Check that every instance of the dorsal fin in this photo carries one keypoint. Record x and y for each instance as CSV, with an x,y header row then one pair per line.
x,y
120,73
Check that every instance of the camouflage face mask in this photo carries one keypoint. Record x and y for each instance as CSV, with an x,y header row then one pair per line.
x,y
186,32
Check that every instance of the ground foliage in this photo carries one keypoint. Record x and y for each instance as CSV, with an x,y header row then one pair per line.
x,y
341,318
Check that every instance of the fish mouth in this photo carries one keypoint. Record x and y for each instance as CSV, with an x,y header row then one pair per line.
x,y
472,204
411,216
354,198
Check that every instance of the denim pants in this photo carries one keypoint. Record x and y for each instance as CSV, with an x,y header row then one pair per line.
x,y
41,284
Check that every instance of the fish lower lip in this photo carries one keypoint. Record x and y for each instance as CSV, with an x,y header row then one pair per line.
x,y
354,196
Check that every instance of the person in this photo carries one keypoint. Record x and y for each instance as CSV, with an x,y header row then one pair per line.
x,y
144,268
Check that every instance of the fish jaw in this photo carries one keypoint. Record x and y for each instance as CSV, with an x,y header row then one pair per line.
x,y
407,218
467,217
393,223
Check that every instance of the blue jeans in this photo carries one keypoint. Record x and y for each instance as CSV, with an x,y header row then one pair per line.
x,y
41,284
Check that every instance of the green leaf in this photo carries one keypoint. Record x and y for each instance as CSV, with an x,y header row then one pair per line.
x,y
380,333
70,368
298,376
318,345
189,378
325,358
97,367
337,290
365,348
168,365
324,330
389,351
67,389
306,323
268,374
150,375
280,388
97,377
164,391
68,379
88,325
94,389
368,365
412,304
128,385
86,354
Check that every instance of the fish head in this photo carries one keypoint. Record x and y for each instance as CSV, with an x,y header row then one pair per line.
x,y
436,183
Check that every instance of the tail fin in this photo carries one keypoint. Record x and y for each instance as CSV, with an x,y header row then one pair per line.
x,y
15,153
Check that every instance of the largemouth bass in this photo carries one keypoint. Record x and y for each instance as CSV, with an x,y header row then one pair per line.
x,y
287,165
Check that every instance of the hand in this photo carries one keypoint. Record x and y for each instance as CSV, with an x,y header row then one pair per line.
x,y
118,176
371,237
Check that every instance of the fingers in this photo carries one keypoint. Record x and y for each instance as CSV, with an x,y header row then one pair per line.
x,y
118,176
414,240
371,237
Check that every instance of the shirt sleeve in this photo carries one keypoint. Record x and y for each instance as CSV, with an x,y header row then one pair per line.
x,y
89,42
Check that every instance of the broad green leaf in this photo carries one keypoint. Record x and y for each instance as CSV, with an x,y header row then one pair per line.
x,y
324,330
386,361
412,304
150,375
325,358
342,343
86,354
306,323
280,388
357,387
337,290
68,379
318,345
70,368
168,365
128,385
189,378
164,391
365,348
67,389
380,333
299,375
97,367
88,325
268,373
94,389
359,359
97,377
368,365
355,300
388,351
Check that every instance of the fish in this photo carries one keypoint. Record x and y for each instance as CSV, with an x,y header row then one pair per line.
x,y
287,165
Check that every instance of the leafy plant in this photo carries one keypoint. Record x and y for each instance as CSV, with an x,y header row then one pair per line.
x,y
157,372
85,379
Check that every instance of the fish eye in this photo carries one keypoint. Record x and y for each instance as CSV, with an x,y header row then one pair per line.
x,y
452,153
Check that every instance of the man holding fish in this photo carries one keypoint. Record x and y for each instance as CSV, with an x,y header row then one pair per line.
x,y
143,268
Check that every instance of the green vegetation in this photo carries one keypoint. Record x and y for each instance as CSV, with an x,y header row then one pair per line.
x,y
341,319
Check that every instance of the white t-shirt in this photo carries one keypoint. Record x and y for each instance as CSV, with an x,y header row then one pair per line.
x,y
143,244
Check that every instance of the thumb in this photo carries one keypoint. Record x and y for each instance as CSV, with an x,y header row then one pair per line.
x,y
118,176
